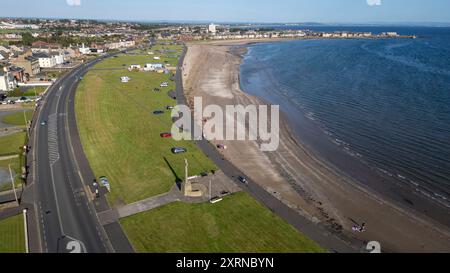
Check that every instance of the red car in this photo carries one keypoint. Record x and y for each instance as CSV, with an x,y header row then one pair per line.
x,y
166,135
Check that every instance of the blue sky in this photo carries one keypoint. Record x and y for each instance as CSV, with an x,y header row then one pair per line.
x,y
345,11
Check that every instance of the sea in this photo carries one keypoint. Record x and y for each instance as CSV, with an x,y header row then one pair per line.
x,y
378,109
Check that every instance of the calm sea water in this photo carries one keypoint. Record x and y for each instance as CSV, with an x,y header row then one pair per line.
x,y
384,102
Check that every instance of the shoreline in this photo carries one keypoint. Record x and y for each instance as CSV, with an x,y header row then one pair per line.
x,y
366,175
295,175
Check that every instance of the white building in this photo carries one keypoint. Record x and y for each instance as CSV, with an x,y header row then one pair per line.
x,y
121,44
45,60
212,29
60,58
7,81
84,50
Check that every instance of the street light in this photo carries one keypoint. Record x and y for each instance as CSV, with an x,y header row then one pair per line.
x,y
13,186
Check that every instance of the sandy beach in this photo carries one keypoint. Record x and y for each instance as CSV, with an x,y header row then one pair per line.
x,y
296,176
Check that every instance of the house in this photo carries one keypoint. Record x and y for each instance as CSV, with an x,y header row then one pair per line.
x,y
28,62
156,58
59,57
45,60
7,81
18,73
121,44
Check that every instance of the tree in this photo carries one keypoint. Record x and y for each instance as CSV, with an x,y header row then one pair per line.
x,y
27,39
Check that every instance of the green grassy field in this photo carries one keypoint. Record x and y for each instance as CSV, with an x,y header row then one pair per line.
x,y
237,224
17,167
35,90
121,136
11,144
17,118
12,239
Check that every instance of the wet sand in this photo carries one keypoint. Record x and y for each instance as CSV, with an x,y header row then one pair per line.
x,y
296,176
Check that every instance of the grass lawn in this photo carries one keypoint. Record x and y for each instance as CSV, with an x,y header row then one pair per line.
x,y
31,91
12,237
237,224
11,144
17,118
121,136
16,165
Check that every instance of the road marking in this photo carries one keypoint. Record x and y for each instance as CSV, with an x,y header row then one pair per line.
x,y
53,150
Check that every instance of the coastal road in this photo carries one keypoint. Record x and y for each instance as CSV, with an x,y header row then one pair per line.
x,y
66,214
318,233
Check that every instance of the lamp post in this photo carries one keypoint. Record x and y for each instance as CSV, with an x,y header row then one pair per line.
x,y
13,186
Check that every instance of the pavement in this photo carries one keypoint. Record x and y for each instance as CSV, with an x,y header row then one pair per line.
x,y
60,178
8,196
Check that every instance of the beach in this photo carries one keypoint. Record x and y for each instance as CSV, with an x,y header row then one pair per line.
x,y
296,176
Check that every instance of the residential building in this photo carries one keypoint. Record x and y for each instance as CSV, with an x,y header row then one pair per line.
x,y
212,29
7,81
45,60
28,62
120,44
18,73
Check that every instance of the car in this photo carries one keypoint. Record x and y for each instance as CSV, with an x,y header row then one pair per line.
x,y
44,122
221,147
158,112
243,180
105,182
169,107
166,135
179,150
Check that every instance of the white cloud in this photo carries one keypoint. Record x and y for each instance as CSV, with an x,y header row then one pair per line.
x,y
73,2
374,2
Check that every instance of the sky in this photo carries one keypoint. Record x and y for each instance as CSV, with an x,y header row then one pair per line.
x,y
321,11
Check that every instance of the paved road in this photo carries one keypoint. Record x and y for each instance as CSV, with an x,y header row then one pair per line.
x,y
60,175
318,233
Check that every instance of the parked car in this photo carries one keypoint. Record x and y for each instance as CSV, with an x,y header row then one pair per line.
x,y
169,107
243,180
105,183
166,135
179,150
221,147
158,112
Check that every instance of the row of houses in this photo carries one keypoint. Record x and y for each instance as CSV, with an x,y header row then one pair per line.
x,y
101,48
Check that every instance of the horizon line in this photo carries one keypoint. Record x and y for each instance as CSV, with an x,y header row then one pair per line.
x,y
188,21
